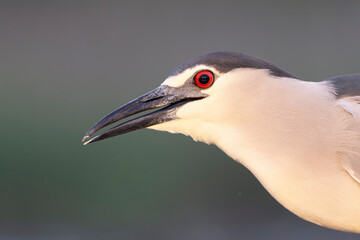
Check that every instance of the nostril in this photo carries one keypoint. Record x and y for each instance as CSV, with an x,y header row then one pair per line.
x,y
152,99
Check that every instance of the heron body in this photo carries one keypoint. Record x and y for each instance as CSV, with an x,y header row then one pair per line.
x,y
300,139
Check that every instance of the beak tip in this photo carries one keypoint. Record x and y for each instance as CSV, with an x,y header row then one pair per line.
x,y
85,137
94,139
87,142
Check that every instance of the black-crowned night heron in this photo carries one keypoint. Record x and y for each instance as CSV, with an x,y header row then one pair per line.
x,y
300,139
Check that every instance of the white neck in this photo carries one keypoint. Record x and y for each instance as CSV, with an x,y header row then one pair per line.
x,y
267,124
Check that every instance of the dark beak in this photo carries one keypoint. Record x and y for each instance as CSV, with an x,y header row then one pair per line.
x,y
168,99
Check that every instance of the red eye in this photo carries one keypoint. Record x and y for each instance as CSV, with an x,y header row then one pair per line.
x,y
204,79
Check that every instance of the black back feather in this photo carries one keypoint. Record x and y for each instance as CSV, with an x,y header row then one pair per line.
x,y
345,85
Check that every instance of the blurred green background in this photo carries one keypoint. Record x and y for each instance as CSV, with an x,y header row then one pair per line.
x,y
66,64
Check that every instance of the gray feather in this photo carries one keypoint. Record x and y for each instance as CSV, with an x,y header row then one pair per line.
x,y
226,61
345,85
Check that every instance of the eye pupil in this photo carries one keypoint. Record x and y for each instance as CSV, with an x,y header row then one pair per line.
x,y
204,79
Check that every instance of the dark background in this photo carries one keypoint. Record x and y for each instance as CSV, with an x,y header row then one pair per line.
x,y
65,64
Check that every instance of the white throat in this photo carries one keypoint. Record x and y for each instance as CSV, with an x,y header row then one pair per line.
x,y
250,114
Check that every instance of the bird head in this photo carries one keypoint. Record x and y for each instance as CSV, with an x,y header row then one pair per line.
x,y
195,97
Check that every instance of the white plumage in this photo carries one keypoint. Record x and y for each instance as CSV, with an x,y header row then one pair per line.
x,y
294,136
300,139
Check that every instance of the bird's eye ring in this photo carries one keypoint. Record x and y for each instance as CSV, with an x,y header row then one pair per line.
x,y
204,79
